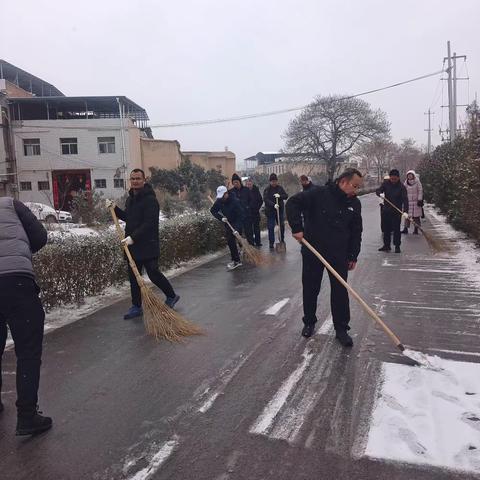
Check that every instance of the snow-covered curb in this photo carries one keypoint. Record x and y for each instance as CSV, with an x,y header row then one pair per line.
x,y
66,314
466,252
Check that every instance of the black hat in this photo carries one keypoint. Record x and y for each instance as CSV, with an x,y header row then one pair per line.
x,y
394,172
236,177
273,176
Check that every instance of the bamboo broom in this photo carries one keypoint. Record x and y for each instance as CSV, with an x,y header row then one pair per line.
x,y
160,320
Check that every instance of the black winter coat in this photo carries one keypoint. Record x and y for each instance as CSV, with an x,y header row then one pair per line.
x,y
141,217
332,222
242,194
255,202
36,233
396,193
231,209
269,199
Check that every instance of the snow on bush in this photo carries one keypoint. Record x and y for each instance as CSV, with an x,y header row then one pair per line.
x,y
71,268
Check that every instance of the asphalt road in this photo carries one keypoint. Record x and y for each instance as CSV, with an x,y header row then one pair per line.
x,y
251,399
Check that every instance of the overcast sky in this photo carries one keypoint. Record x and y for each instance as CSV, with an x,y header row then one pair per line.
x,y
195,60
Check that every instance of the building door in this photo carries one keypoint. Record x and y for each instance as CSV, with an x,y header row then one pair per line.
x,y
68,184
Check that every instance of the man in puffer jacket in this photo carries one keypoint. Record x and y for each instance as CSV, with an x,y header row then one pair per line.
x,y
415,201
21,234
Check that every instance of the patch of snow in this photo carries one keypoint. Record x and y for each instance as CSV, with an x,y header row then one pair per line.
x,y
428,417
327,327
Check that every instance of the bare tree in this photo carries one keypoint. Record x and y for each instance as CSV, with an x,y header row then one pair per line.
x,y
330,127
408,156
378,157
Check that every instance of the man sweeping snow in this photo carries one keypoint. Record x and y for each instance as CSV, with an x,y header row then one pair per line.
x,y
333,225
227,209
142,237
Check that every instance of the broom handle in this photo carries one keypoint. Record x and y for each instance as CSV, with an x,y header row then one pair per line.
x,y
121,235
359,299
401,213
279,234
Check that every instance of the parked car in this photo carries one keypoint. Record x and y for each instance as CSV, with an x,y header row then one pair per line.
x,y
48,214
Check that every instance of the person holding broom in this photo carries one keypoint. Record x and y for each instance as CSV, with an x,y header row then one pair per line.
x,y
396,193
329,217
274,197
142,237
228,210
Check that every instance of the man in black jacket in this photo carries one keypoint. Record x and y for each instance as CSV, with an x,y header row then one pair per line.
x,y
274,197
252,221
332,223
242,194
142,237
21,234
306,182
393,190
228,209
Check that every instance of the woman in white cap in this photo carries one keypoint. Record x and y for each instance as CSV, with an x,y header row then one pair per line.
x,y
415,201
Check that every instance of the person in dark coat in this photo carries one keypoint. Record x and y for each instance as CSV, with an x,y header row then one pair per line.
x,y
270,195
393,190
242,194
21,234
252,221
328,217
227,208
306,182
142,237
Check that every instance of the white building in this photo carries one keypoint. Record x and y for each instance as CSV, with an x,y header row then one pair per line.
x,y
64,145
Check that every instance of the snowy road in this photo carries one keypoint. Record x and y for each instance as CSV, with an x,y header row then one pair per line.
x,y
254,400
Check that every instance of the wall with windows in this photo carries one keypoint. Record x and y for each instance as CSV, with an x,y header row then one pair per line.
x,y
43,146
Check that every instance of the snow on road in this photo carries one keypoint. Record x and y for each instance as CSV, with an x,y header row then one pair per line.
x,y
274,309
428,417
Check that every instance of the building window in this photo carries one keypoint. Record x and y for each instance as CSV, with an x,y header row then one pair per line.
x,y
106,144
44,185
118,183
100,183
31,146
24,186
69,146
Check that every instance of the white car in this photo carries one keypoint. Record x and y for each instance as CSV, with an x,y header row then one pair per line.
x,y
48,214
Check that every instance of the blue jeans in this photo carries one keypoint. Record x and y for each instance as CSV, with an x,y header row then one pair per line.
x,y
271,222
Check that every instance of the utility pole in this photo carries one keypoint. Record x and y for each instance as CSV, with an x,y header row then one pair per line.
x,y
452,90
429,130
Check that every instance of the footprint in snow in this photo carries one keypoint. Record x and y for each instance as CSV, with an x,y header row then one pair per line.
x,y
412,441
472,419
470,455
444,396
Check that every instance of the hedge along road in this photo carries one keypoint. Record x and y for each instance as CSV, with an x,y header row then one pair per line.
x,y
250,399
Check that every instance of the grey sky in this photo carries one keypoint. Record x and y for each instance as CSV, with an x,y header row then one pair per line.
x,y
194,60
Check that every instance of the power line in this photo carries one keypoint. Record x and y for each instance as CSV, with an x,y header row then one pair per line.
x,y
252,115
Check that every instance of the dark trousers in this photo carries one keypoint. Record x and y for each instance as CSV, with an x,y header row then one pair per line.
x,y
252,229
232,244
312,273
157,278
391,224
22,311
271,222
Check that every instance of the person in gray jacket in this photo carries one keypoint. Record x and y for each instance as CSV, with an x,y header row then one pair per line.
x,y
21,234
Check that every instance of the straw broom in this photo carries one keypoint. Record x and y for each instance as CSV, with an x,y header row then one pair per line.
x,y
430,240
252,255
160,320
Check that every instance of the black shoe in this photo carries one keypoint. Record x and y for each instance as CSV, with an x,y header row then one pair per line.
x,y
344,338
272,247
384,249
171,301
415,232
258,244
33,425
307,331
405,231
397,250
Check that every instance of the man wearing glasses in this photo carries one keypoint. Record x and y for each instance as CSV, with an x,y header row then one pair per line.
x,y
332,223
141,235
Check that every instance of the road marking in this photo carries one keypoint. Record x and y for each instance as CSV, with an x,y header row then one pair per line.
x,y
265,420
274,309
157,460
225,379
